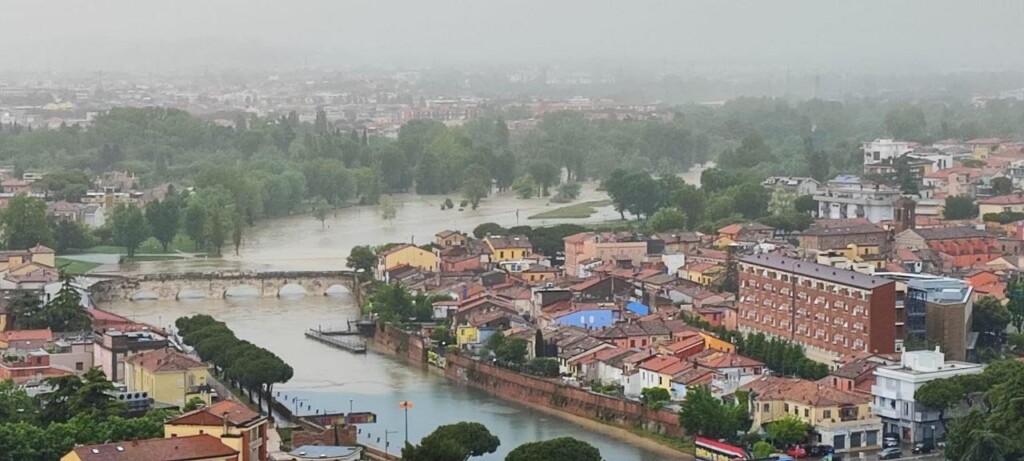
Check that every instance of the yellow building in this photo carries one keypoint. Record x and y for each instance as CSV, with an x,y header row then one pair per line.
x,y
702,273
508,248
168,376
840,418
203,447
713,343
467,334
406,255
235,424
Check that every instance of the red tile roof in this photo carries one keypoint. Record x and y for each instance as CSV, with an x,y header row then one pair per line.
x,y
26,335
236,413
194,447
164,360
1012,199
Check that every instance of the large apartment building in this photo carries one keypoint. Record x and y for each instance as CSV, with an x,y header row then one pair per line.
x,y
830,312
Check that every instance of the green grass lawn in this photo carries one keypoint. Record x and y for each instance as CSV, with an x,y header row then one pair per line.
x,y
575,211
151,258
181,244
75,267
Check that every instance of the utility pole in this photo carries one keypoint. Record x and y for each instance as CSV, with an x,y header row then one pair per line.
x,y
406,405
386,443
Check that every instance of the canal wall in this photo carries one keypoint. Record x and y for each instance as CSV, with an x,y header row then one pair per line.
x,y
518,387
394,341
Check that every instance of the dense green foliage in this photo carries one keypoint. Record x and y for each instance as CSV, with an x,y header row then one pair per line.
x,y
655,397
788,430
960,207
701,413
561,449
246,365
780,356
994,426
453,442
63,313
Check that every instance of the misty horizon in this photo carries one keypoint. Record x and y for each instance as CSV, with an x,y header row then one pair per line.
x,y
799,35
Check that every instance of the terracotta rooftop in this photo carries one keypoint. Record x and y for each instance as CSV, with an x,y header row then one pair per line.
x,y
805,392
164,360
26,335
194,447
716,359
236,413
950,233
1012,199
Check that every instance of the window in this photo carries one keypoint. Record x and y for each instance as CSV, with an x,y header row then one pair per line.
x,y
807,413
79,366
767,408
827,414
501,255
785,407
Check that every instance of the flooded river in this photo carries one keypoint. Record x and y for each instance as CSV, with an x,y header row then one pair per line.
x,y
327,379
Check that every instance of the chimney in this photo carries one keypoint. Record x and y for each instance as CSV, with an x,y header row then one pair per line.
x,y
224,416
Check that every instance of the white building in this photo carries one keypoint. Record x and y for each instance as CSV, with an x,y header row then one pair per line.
x,y
883,152
847,197
894,390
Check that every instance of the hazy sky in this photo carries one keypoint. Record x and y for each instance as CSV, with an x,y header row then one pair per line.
x,y
160,35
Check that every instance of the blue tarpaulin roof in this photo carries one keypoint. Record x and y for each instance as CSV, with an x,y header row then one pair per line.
x,y
638,308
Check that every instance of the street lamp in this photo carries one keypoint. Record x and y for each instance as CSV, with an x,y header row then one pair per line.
x,y
296,401
406,405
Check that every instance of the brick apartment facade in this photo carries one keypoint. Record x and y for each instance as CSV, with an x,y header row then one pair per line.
x,y
830,312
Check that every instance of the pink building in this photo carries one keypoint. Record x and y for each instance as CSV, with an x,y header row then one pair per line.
x,y
604,246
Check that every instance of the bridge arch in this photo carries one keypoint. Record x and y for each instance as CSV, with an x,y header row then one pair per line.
x,y
242,291
337,290
291,290
145,295
190,292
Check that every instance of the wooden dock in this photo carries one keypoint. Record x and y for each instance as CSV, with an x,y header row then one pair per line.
x,y
349,341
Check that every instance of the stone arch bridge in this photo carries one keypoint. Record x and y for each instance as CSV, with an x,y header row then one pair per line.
x,y
221,285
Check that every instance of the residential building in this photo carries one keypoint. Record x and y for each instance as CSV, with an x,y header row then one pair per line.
x,y
679,242
112,345
839,418
1004,203
895,386
168,376
508,248
830,312
960,247
747,232
25,340
849,197
450,238
235,424
34,367
204,447
786,189
836,234
858,375
602,246
880,155
704,274
405,255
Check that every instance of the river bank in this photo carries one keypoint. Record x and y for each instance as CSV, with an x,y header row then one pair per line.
x,y
615,417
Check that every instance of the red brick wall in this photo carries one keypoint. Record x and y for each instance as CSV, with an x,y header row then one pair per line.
x,y
518,387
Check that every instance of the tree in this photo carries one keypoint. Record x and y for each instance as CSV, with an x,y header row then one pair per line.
x,y
940,395
1015,292
71,235
1002,185
667,219
512,350
805,204
442,335
960,207
703,414
544,366
762,450
751,200
163,218
15,404
129,226
195,222
25,223
362,259
524,186
788,430
545,173
320,213
655,397
990,317
388,211
568,191
454,442
488,228
561,449
477,184
906,123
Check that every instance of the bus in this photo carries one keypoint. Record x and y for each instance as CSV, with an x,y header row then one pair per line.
x,y
712,450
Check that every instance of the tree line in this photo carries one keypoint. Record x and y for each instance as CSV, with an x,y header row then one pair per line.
x,y
244,364
78,410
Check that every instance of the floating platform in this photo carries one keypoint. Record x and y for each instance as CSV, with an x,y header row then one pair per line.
x,y
349,341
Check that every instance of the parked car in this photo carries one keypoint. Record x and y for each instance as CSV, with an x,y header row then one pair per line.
x,y
890,453
781,457
890,439
797,451
923,447
818,451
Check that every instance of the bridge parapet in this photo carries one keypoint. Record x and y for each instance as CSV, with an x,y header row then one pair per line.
x,y
217,284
